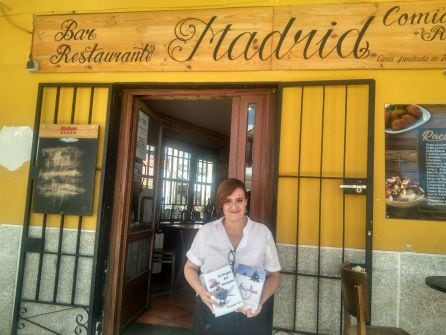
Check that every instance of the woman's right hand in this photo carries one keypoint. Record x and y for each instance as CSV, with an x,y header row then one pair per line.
x,y
191,274
205,296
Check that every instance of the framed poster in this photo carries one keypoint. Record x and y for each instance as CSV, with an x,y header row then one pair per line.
x,y
141,135
415,161
66,166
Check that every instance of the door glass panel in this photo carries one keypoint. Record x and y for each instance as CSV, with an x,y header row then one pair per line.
x,y
143,174
148,169
137,258
249,145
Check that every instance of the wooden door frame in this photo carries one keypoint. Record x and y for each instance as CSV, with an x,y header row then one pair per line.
x,y
124,171
132,290
122,194
266,141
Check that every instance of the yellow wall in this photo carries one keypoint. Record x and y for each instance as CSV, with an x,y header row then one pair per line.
x,y
312,144
18,90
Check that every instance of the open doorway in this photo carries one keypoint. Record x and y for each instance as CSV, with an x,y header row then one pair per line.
x,y
194,158
193,138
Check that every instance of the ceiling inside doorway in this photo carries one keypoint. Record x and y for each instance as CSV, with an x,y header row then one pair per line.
x,y
210,114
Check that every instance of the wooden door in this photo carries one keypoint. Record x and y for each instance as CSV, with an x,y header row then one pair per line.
x,y
134,215
252,153
140,231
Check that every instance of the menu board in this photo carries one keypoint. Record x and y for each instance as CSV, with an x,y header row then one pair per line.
x,y
66,169
432,151
415,160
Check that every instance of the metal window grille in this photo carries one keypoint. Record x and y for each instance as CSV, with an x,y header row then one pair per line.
x,y
187,183
328,120
203,184
176,178
56,286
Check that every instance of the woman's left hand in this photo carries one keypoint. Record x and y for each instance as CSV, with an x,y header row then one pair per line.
x,y
249,313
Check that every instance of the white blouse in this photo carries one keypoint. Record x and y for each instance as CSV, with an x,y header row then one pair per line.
x,y
211,248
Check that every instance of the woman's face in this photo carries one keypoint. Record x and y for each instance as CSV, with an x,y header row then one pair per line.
x,y
234,205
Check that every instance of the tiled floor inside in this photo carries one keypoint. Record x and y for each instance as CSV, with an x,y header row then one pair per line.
x,y
173,309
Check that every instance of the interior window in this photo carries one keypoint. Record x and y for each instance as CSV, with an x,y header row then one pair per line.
x,y
148,168
186,185
203,187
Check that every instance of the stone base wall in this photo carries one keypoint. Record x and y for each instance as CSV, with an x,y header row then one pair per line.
x,y
400,296
61,317
10,237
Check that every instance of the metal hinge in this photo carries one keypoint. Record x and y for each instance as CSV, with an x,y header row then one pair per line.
x,y
34,172
98,328
33,244
354,186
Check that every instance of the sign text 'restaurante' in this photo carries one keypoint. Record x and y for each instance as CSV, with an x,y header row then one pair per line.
x,y
69,31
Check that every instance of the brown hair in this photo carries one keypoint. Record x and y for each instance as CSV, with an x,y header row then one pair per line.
x,y
225,189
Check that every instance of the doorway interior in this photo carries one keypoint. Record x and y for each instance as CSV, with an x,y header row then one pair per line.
x,y
194,157
192,139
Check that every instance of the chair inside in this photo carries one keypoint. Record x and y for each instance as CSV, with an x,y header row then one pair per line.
x,y
166,256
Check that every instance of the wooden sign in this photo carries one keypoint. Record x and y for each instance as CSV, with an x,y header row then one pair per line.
x,y
330,36
66,169
69,130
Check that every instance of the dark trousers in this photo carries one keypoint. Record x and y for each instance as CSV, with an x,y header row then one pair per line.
x,y
205,323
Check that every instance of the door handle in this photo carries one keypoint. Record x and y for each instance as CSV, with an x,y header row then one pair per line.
x,y
358,188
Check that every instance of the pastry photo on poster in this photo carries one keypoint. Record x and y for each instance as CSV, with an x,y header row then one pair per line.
x,y
415,161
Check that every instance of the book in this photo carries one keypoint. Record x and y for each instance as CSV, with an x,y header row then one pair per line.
x,y
223,286
250,282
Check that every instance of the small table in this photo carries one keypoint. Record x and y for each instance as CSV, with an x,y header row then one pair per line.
x,y
437,283
186,233
194,226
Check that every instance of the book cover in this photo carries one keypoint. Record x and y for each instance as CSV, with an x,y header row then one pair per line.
x,y
250,282
222,284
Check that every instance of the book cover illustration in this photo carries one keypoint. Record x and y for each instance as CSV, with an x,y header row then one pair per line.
x,y
250,282
223,286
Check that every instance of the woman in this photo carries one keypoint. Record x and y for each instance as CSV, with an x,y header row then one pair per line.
x,y
234,238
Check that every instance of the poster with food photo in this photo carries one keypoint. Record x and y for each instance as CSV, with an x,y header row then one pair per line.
x,y
415,162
